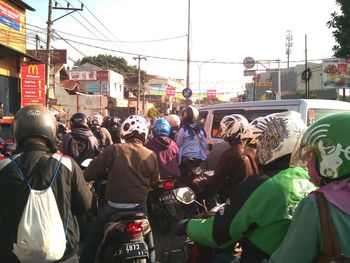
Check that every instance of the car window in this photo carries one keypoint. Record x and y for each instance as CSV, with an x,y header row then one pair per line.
x,y
315,114
253,114
217,117
5,131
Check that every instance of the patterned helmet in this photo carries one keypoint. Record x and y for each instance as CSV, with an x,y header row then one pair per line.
x,y
173,120
232,126
134,125
280,132
161,127
328,139
96,119
252,131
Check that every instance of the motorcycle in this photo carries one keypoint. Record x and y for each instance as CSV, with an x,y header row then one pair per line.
x,y
126,239
127,235
162,205
6,148
196,253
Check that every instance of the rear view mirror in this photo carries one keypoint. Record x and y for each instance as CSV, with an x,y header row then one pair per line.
x,y
185,195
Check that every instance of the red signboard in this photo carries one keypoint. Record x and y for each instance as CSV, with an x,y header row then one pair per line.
x,y
33,84
103,75
58,56
170,91
211,93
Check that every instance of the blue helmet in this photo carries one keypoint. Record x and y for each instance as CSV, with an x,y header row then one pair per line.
x,y
161,127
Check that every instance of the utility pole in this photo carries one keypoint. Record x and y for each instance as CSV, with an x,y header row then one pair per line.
x,y
48,40
188,51
289,44
138,58
48,46
306,81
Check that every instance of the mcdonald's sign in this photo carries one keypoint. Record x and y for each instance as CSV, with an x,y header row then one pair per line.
x,y
33,84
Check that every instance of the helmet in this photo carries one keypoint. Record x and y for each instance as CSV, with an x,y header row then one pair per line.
x,y
280,132
134,125
34,121
190,114
78,120
328,140
115,121
96,119
232,126
161,127
173,120
252,131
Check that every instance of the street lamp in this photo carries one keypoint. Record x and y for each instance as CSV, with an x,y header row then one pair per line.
x,y
199,79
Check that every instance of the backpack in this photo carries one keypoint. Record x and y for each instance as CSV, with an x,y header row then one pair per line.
x,y
41,236
81,149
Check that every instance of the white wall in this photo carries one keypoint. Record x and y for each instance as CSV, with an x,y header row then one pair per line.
x,y
116,85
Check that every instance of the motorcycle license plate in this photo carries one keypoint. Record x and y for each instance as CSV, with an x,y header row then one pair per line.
x,y
135,250
167,198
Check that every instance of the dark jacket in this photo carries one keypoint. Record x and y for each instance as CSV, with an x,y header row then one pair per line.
x,y
36,162
167,153
130,168
79,134
235,164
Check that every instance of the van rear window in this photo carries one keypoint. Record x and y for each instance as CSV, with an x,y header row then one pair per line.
x,y
249,114
315,114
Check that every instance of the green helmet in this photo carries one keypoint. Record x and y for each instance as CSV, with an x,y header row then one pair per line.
x,y
328,139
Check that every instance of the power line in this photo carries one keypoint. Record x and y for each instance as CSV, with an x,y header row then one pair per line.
x,y
99,21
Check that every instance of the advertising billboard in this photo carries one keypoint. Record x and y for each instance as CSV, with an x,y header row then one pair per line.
x,y
336,73
33,84
211,93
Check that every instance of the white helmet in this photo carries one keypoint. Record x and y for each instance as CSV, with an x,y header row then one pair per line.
x,y
252,131
232,126
134,124
173,120
280,132
191,113
96,119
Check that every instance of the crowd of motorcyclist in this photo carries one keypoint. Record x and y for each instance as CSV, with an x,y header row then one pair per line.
x,y
268,178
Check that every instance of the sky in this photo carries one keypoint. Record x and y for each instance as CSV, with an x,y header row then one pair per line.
x,y
222,32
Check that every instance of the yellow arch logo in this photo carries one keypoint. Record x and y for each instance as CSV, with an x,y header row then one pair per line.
x,y
33,69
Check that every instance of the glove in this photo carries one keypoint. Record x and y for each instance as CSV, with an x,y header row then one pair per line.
x,y
181,227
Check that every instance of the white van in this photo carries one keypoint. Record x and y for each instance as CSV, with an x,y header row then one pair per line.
x,y
211,116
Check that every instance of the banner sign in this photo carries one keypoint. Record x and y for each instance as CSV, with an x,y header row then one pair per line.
x,y
211,93
259,84
33,84
58,56
170,91
336,73
83,75
10,16
157,90
94,87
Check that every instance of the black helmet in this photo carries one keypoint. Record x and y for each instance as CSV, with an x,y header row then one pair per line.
x,y
34,121
78,120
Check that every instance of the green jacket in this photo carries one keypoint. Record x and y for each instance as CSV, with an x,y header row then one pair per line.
x,y
260,211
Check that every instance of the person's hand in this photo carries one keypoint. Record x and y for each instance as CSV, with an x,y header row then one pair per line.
x,y
205,214
197,182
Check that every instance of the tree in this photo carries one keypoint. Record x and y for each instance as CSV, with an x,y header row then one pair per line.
x,y
206,101
153,113
119,65
341,25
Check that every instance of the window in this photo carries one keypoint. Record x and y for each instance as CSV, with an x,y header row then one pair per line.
x,y
253,114
217,117
315,114
202,117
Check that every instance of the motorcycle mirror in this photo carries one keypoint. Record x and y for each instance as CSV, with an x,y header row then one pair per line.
x,y
185,195
86,162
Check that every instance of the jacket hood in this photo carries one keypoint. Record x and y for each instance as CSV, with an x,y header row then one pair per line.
x,y
160,142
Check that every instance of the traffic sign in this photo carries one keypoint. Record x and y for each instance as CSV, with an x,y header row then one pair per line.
x,y
249,62
187,92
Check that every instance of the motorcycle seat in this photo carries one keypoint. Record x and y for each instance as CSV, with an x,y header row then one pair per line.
x,y
128,215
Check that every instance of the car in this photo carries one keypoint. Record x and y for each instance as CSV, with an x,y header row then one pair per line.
x,y
5,130
210,116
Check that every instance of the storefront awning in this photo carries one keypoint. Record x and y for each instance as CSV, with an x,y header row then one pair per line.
x,y
19,53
